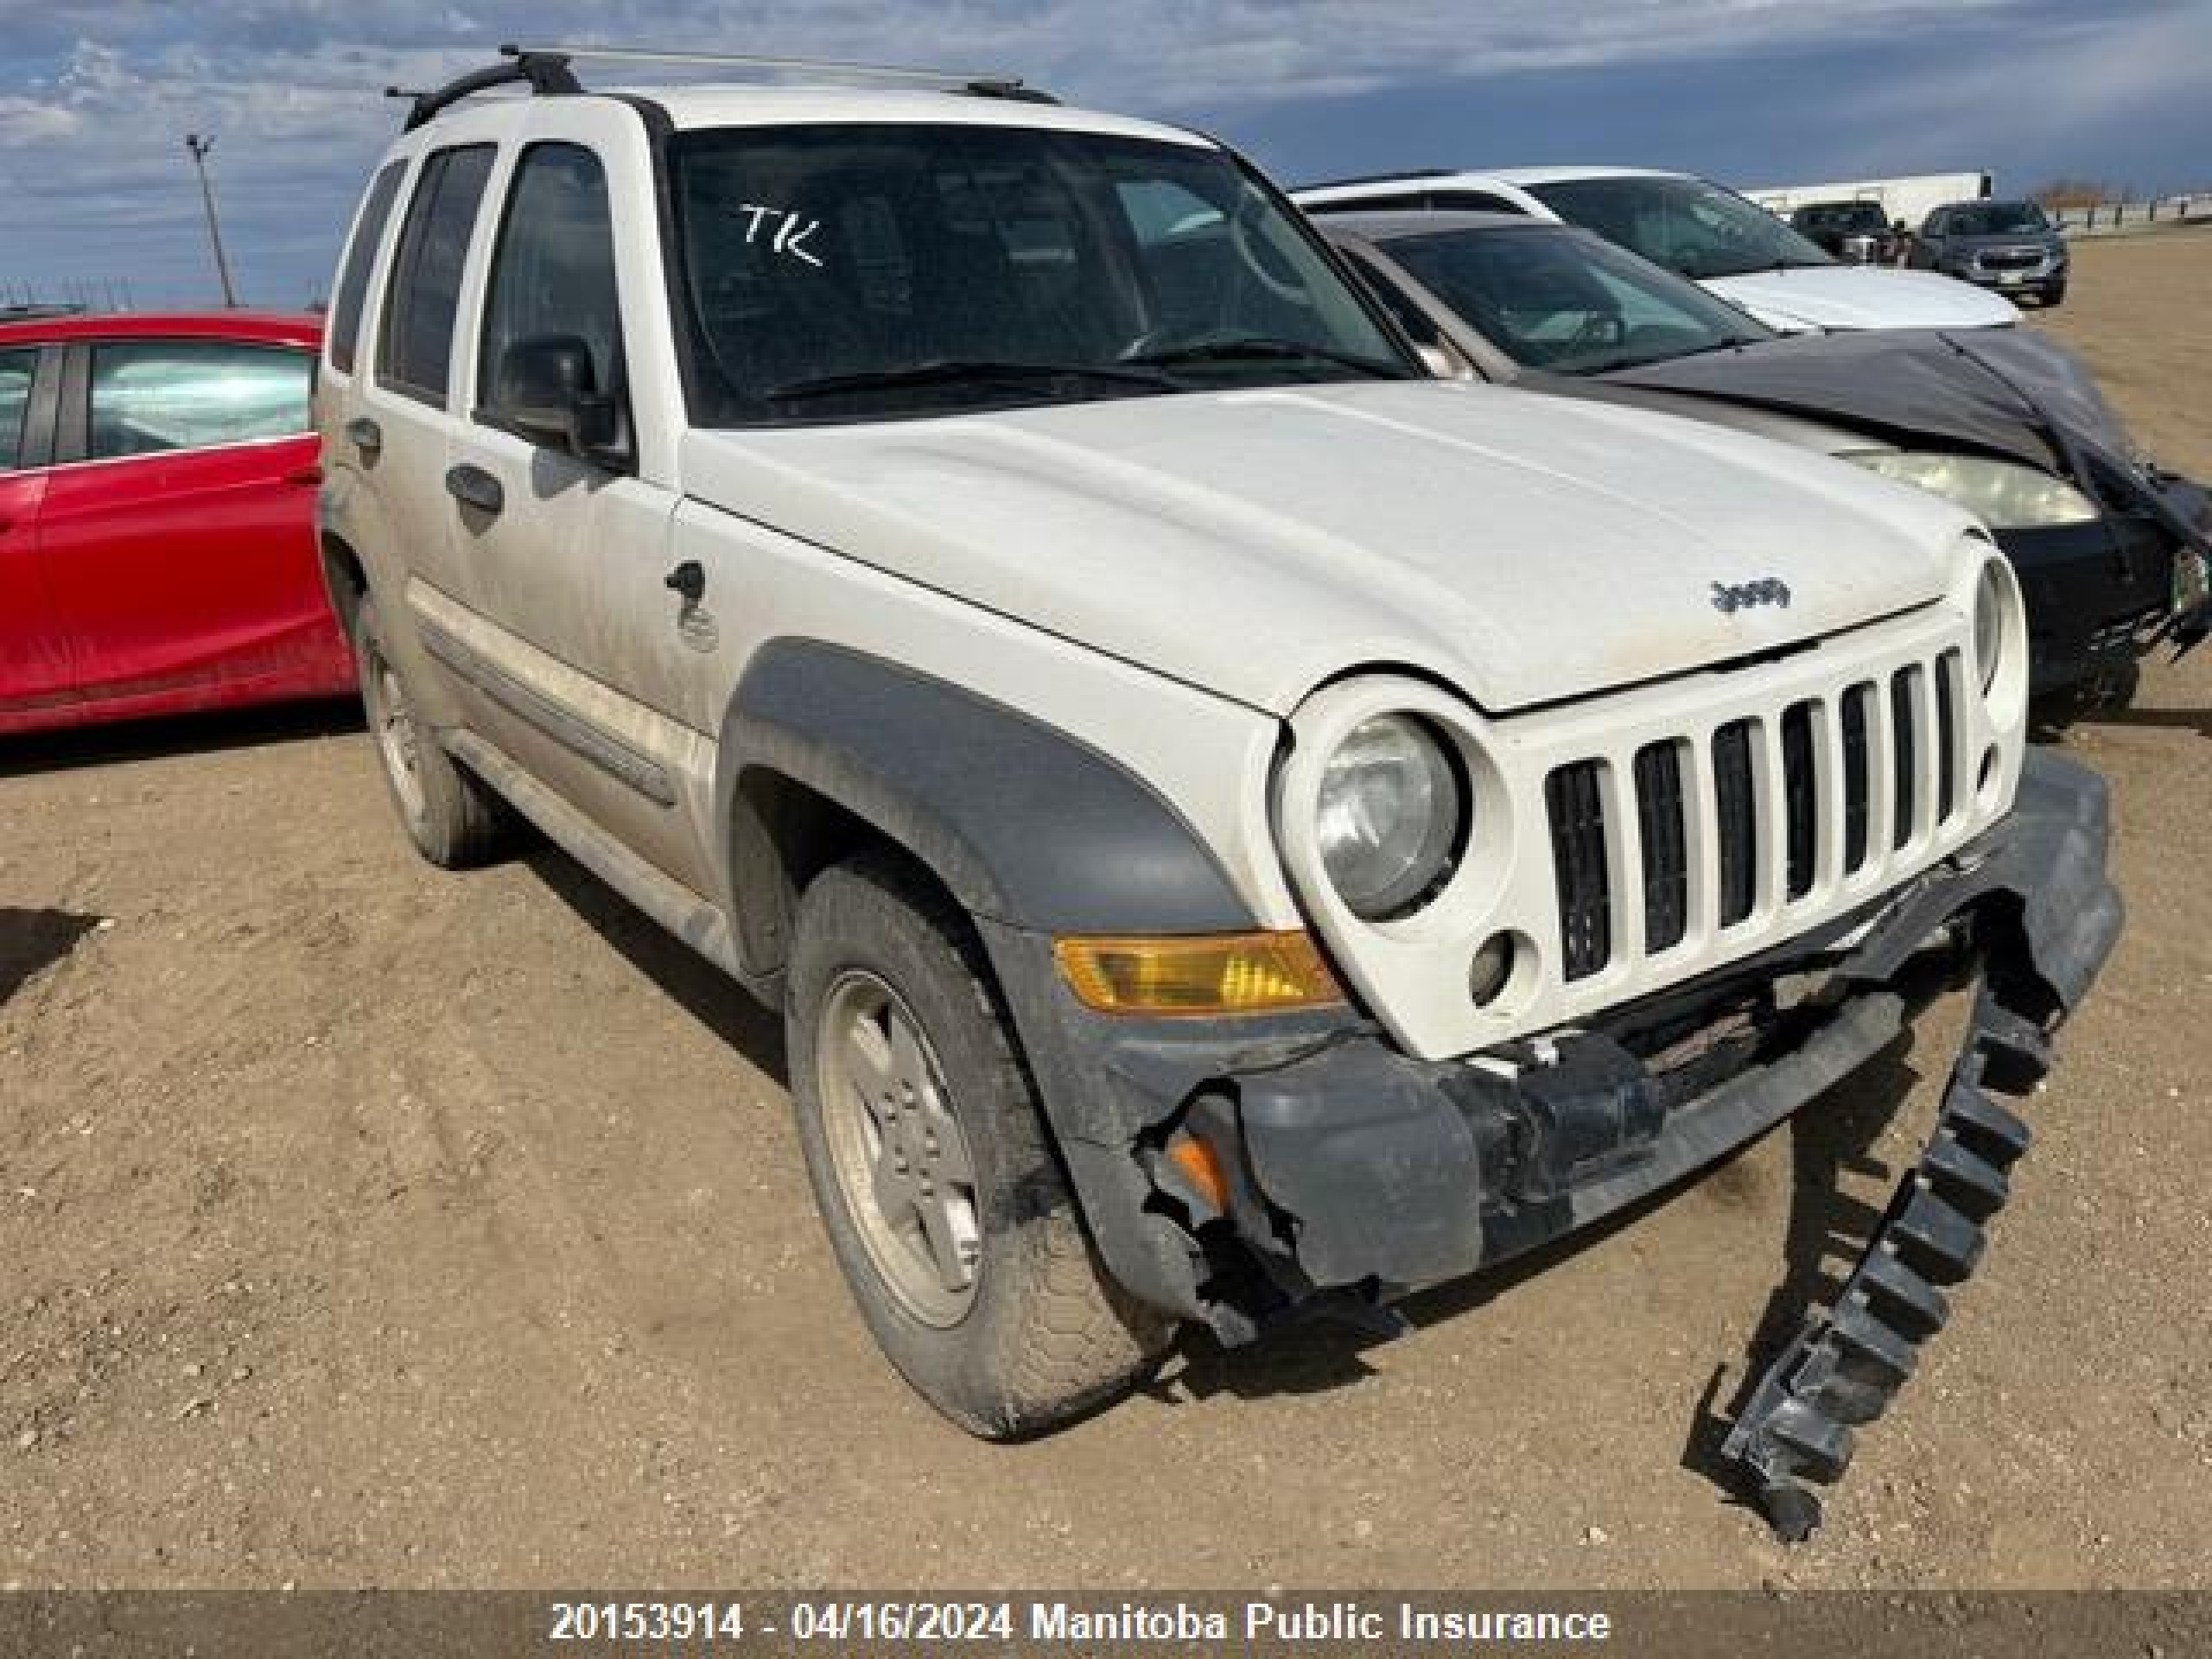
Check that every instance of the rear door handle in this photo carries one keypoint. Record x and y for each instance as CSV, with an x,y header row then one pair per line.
x,y
367,436
474,487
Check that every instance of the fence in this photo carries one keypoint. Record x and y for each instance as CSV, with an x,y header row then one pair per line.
x,y
2097,218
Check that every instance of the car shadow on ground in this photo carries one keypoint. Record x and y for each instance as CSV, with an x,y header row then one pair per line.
x,y
71,748
694,984
31,940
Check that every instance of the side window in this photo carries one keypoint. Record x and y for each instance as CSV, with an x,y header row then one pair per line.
x,y
154,395
353,281
553,271
415,343
17,370
1936,223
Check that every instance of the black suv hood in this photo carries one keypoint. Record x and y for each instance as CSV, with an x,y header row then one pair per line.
x,y
2007,390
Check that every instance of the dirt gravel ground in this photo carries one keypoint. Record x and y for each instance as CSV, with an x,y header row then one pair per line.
x,y
365,1224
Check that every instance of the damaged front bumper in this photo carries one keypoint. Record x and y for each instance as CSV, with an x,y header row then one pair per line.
x,y
1355,1174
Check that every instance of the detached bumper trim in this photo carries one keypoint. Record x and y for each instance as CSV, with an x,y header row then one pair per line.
x,y
1845,1366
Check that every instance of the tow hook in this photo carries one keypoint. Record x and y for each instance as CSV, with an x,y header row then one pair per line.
x,y
1846,1365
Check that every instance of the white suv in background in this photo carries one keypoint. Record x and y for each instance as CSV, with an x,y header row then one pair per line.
x,y
1236,830
1710,235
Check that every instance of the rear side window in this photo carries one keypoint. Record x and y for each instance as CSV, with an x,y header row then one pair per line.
x,y
17,369
415,346
149,396
353,281
554,270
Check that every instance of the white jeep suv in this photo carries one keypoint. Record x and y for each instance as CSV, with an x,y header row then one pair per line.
x,y
1237,829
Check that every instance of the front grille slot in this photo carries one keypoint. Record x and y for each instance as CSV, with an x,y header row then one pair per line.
x,y
1857,776
1575,797
1948,668
1737,820
1904,720
1800,801
1666,845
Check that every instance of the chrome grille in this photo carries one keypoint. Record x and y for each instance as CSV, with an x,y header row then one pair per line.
x,y
1718,827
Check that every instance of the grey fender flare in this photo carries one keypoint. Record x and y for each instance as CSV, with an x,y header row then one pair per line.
x,y
1024,824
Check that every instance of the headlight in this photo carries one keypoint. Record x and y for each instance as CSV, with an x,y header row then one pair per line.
x,y
1989,597
2001,493
2000,639
1391,817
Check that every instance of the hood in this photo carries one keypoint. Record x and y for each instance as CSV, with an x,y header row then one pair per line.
x,y
1807,297
2011,391
1257,544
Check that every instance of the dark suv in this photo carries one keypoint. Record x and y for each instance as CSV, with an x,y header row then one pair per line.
x,y
2007,245
1855,230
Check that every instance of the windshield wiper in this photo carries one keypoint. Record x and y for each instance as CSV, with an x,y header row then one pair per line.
x,y
1258,348
981,372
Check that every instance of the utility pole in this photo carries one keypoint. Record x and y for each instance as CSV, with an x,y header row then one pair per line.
x,y
200,147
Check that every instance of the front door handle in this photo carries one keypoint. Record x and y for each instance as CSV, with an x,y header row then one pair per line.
x,y
688,579
367,435
474,487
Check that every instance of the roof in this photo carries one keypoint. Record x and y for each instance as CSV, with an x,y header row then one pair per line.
x,y
747,106
258,327
693,106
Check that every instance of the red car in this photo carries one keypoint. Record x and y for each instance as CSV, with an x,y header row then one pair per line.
x,y
157,518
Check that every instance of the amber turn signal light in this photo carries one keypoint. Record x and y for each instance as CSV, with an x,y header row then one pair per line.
x,y
1201,1167
1217,974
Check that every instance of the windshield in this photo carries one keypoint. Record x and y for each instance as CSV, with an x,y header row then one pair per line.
x,y
1843,216
1686,225
1998,218
849,272
1562,300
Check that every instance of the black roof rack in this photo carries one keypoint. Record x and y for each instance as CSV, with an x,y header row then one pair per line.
x,y
1379,178
546,73
546,70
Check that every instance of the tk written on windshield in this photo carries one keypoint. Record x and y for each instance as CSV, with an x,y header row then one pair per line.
x,y
781,231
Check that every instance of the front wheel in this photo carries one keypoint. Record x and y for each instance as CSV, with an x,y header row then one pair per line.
x,y
944,1202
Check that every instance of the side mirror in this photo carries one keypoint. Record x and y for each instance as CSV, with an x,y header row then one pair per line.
x,y
1440,364
545,390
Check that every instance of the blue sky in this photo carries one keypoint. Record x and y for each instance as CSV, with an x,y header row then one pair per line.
x,y
96,95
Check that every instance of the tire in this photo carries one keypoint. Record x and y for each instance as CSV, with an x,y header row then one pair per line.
x,y
453,819
1038,1334
2054,297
